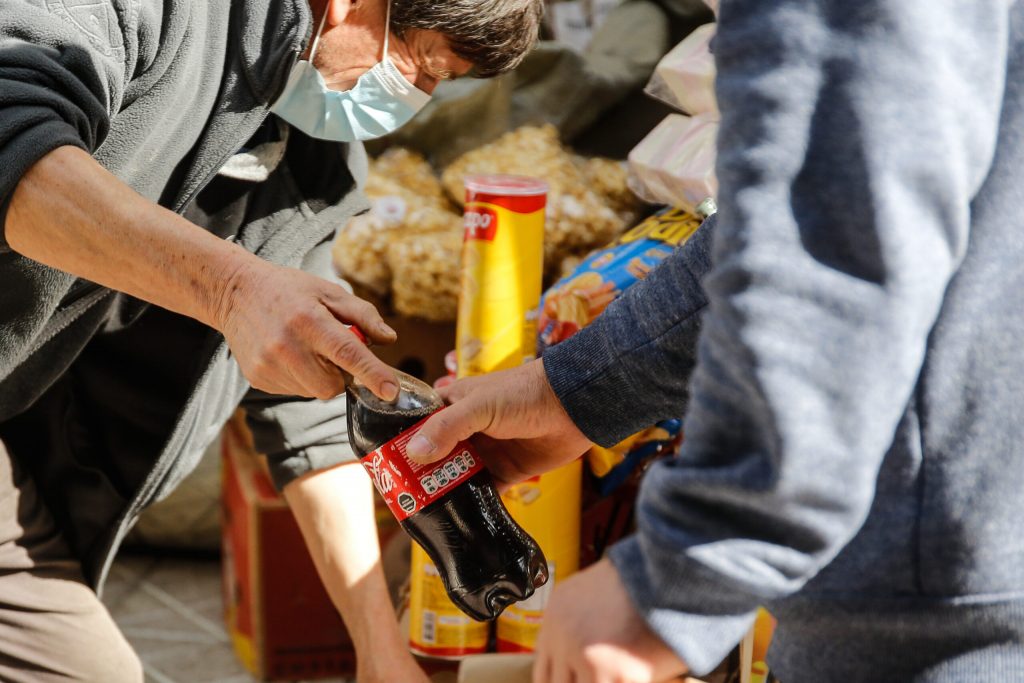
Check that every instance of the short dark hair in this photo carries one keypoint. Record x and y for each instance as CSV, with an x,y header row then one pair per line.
x,y
494,35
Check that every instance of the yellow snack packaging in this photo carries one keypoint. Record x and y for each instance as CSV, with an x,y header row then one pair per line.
x,y
502,263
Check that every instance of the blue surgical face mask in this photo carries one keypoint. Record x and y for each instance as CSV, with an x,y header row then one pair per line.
x,y
381,102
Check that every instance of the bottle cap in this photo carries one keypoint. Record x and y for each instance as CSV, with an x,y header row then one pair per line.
x,y
707,208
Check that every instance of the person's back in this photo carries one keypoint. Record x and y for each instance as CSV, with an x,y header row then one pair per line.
x,y
932,584
854,447
876,153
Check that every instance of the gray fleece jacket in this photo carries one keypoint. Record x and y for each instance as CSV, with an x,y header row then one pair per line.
x,y
109,402
854,455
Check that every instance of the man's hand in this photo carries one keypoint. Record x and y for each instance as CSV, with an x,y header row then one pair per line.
x,y
525,431
603,640
287,330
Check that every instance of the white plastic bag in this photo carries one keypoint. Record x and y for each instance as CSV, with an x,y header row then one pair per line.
x,y
675,163
685,78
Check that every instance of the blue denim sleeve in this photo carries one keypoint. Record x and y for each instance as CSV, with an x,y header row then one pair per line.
x,y
658,318
853,139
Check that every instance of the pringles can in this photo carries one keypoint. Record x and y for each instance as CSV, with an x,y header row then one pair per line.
x,y
502,269
437,628
548,508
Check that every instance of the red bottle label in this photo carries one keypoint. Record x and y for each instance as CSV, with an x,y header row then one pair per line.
x,y
407,486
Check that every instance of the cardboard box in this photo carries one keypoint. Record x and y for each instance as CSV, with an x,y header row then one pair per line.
x,y
281,621
421,345
420,348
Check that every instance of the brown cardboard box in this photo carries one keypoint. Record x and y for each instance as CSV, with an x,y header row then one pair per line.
x,y
421,345
420,348
282,623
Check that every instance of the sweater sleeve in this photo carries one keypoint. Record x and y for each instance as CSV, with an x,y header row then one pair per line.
x,y
854,137
62,74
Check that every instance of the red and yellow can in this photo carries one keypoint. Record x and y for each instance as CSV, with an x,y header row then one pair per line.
x,y
437,628
502,270
548,508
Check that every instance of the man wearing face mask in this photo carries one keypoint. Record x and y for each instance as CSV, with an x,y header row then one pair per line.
x,y
162,239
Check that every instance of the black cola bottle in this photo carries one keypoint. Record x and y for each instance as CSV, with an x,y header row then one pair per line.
x,y
450,508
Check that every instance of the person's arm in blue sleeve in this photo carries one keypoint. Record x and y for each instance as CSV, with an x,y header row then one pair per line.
x,y
853,139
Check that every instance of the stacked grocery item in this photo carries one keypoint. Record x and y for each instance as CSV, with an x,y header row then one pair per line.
x,y
408,246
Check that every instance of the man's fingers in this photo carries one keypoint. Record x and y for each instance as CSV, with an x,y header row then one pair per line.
x,y
459,389
354,311
344,350
439,434
541,667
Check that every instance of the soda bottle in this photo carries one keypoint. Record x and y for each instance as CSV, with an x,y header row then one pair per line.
x,y
450,508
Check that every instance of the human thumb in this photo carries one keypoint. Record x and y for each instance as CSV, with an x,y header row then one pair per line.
x,y
444,429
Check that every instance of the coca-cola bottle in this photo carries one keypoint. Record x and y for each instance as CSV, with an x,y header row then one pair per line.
x,y
450,507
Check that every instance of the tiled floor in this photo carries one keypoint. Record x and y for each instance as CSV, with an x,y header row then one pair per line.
x,y
170,611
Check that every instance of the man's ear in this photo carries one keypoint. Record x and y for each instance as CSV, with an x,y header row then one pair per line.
x,y
338,10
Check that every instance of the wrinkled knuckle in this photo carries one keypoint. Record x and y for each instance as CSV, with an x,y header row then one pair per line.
x,y
275,347
346,354
367,310
301,319
440,424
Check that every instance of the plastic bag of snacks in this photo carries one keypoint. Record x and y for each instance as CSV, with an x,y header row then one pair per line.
x,y
361,248
675,163
426,274
610,180
403,173
685,78
575,300
407,199
578,218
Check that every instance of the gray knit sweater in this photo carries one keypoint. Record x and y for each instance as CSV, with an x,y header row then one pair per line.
x,y
854,453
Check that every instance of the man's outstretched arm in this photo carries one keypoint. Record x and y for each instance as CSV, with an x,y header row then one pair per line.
x,y
284,326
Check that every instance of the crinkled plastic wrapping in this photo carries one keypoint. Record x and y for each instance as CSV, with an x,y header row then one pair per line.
x,y
675,163
685,78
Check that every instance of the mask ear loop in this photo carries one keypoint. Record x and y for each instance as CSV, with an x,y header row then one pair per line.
x,y
323,20
387,33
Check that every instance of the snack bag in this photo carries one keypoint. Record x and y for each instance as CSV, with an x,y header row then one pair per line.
x,y
574,301
613,467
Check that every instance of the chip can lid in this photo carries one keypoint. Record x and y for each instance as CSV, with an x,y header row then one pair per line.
x,y
506,185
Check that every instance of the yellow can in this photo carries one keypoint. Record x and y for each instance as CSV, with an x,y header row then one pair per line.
x,y
548,508
502,269
437,628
